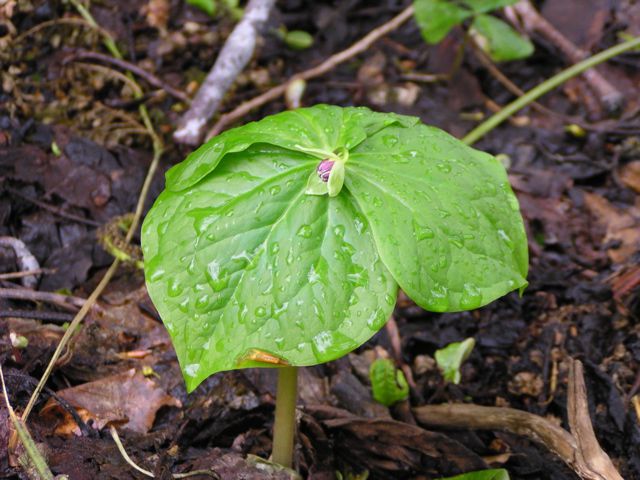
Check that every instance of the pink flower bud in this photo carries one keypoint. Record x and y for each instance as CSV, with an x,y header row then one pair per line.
x,y
324,169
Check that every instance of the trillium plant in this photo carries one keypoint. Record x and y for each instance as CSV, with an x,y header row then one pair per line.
x,y
283,243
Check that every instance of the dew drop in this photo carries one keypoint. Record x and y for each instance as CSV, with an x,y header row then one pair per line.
x,y
471,296
202,302
305,231
157,274
444,167
192,369
503,235
275,190
313,276
457,240
275,248
390,140
174,288
216,277
260,312
322,344
422,232
439,298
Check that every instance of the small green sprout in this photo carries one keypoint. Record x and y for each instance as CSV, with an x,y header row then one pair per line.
x,y
501,42
450,358
388,383
298,39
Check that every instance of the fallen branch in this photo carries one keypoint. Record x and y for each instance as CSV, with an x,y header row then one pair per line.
x,y
329,64
124,65
26,273
233,57
53,209
579,449
68,302
607,94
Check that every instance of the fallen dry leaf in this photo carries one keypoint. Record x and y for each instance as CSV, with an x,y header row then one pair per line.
x,y
630,175
623,226
128,398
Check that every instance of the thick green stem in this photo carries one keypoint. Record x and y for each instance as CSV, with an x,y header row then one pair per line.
x,y
284,428
546,86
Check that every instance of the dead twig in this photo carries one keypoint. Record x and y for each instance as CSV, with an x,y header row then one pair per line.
x,y
579,449
26,273
124,65
329,64
594,462
55,210
65,301
147,473
55,317
233,57
608,95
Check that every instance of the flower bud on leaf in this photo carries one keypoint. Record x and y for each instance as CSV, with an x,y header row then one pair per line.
x,y
324,169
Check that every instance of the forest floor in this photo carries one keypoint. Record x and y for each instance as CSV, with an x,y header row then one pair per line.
x,y
74,154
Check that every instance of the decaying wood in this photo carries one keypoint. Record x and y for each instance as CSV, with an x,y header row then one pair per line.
x,y
579,449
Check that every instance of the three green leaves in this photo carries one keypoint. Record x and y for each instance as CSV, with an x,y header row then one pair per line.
x,y
251,263
501,42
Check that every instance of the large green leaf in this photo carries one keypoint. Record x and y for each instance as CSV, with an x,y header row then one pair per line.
x,y
437,17
247,268
499,40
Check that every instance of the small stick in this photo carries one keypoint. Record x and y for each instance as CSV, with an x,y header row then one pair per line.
x,y
233,57
58,317
55,210
597,462
329,64
26,273
134,465
66,301
608,95
123,64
